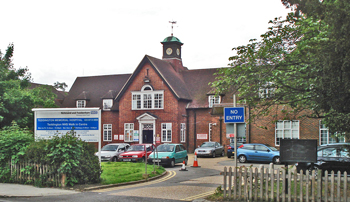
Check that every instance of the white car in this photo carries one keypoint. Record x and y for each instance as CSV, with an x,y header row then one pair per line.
x,y
110,152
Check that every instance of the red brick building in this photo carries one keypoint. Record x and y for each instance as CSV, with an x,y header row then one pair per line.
x,y
164,101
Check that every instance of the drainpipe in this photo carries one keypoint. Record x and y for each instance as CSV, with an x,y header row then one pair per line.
x,y
220,119
194,130
187,130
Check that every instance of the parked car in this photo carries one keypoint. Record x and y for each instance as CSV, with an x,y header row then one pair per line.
x,y
212,149
169,154
231,149
110,152
258,152
136,153
330,157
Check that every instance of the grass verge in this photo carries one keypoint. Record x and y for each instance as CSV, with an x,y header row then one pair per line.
x,y
120,172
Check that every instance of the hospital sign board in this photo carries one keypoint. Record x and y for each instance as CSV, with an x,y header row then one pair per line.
x,y
58,121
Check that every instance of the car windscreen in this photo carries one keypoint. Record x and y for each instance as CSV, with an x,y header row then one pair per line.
x,y
208,144
165,148
272,148
136,148
110,147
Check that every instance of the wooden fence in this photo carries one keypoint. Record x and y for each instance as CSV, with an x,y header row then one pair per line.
x,y
28,172
269,184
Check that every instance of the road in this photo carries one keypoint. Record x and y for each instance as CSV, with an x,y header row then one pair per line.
x,y
190,185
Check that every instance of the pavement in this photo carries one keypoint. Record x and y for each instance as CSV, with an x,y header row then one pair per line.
x,y
20,190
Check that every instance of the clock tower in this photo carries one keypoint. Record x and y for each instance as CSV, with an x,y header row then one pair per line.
x,y
171,48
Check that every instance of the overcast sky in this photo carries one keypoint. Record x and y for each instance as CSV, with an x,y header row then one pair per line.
x,y
65,39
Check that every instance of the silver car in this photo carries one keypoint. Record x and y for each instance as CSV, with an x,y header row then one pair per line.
x,y
212,149
110,152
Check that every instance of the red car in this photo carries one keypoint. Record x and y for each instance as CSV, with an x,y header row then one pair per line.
x,y
136,153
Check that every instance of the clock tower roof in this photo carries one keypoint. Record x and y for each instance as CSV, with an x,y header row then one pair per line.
x,y
171,39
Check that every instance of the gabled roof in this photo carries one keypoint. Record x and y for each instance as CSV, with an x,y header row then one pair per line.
x,y
98,87
165,70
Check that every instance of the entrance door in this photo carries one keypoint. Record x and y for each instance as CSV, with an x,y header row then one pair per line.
x,y
147,136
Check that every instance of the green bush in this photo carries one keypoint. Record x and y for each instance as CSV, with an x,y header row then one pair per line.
x,y
67,154
13,144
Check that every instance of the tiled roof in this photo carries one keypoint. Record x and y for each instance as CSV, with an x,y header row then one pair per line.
x,y
189,85
98,87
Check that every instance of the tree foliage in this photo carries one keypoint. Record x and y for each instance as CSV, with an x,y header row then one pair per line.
x,y
16,99
304,57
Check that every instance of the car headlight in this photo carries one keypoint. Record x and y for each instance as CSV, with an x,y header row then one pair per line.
x,y
120,156
107,156
135,156
165,157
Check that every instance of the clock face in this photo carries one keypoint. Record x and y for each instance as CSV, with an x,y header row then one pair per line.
x,y
178,51
169,51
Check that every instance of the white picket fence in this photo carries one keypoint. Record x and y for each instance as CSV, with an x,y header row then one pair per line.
x,y
283,184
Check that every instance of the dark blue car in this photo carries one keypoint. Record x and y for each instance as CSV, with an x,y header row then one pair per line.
x,y
231,149
258,152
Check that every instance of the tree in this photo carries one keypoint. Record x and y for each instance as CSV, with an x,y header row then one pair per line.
x,y
16,99
305,58
60,86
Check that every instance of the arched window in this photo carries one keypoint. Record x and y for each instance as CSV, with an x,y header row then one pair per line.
x,y
147,98
146,88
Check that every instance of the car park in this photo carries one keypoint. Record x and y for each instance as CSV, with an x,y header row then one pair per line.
x,y
110,152
231,149
331,157
136,153
212,149
169,154
258,152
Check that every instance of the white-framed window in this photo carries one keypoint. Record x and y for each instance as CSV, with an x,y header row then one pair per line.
x,y
286,129
183,132
210,131
81,103
212,99
166,132
128,132
107,104
326,136
147,98
107,132
267,90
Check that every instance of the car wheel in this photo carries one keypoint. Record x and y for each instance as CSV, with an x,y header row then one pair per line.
x,y
228,156
223,153
143,159
186,160
276,160
214,154
114,159
172,163
242,159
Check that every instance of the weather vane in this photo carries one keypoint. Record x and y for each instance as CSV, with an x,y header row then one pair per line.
x,y
172,26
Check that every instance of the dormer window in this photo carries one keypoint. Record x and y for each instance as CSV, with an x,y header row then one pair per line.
x,y
81,103
214,100
107,104
147,98
267,90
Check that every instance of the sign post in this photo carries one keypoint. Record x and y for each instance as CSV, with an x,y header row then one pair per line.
x,y
234,115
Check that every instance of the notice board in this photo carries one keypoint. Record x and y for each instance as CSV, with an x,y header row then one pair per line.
x,y
298,150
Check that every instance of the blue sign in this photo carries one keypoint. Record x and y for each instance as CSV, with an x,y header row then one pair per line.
x,y
234,115
67,123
